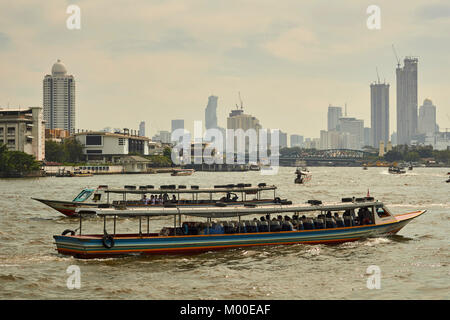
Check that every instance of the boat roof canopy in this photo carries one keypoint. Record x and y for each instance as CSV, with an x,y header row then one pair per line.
x,y
185,190
224,212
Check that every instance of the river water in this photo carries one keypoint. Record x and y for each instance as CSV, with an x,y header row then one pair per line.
x,y
414,264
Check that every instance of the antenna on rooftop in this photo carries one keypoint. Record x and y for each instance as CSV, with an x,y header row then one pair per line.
x,y
378,76
346,109
240,100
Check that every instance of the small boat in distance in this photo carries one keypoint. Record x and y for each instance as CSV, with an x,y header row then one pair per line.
x,y
303,175
332,223
182,172
254,167
396,170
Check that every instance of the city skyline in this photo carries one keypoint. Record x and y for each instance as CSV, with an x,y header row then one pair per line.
x,y
283,70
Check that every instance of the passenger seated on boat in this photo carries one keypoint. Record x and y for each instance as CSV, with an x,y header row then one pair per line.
x,y
287,218
340,222
174,199
152,199
328,214
319,224
299,225
235,198
251,227
263,226
275,226
280,218
165,197
330,223
287,226
262,218
144,199
268,217
308,224
336,215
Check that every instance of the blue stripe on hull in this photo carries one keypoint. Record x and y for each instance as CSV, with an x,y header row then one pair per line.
x,y
94,246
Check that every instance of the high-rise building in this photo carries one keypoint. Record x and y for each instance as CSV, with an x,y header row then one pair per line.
x,y
59,99
354,127
334,114
427,118
296,140
142,129
177,124
283,139
406,100
379,115
211,113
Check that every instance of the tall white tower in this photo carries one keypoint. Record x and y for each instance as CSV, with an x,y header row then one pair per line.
x,y
59,99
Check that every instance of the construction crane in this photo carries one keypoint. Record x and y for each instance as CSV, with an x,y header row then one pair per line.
x,y
396,57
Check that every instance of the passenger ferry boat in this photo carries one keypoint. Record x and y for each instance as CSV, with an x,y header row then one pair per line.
x,y
182,172
232,194
325,224
303,175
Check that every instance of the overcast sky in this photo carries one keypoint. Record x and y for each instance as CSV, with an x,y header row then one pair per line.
x,y
157,60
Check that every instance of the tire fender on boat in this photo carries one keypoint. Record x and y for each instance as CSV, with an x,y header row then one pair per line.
x,y
108,241
72,233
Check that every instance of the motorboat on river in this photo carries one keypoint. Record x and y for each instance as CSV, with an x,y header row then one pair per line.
x,y
310,223
303,175
396,170
182,172
133,196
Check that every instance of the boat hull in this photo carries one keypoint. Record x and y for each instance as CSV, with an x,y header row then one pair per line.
x,y
93,247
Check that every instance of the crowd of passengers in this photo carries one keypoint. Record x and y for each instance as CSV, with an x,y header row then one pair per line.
x,y
164,198
161,199
280,223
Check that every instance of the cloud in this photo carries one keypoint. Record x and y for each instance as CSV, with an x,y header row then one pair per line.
x,y
5,41
434,11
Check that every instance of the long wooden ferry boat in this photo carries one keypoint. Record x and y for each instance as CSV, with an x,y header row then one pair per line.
x,y
325,224
231,194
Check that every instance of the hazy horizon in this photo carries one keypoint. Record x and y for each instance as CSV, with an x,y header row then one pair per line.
x,y
155,61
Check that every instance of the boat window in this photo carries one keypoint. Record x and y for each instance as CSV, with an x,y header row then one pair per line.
x,y
382,213
83,195
97,197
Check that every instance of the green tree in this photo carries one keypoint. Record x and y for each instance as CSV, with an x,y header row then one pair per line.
x,y
22,162
54,151
73,150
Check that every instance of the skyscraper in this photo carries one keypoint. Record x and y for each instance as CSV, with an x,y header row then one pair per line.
x,y
427,118
296,140
177,124
379,115
334,113
211,113
59,99
406,100
355,129
142,129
